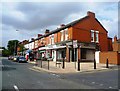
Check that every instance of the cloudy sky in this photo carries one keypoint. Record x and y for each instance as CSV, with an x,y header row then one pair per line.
x,y
31,18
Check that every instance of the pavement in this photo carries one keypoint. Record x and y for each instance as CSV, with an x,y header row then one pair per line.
x,y
71,67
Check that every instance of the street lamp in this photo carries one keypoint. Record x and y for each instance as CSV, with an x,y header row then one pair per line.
x,y
15,45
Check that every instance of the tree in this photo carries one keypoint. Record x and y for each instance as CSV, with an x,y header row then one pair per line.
x,y
5,53
12,46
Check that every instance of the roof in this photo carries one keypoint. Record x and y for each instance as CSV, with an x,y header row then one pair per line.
x,y
67,26
101,25
62,28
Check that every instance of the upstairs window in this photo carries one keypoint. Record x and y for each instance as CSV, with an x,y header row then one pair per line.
x,y
66,34
97,36
52,39
92,35
62,35
42,41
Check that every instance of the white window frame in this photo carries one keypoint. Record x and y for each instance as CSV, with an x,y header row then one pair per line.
x,y
97,36
42,41
92,35
52,39
62,35
66,34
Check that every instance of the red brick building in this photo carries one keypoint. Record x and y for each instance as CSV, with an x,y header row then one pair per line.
x,y
76,40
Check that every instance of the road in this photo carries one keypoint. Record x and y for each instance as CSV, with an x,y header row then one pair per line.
x,y
20,76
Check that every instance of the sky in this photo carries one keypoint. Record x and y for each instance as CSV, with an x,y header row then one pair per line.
x,y
31,18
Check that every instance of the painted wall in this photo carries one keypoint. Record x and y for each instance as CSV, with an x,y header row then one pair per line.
x,y
97,55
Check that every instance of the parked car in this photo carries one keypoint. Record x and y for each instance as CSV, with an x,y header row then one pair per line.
x,y
22,59
10,58
16,58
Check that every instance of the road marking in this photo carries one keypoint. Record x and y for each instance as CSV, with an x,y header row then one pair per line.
x,y
93,82
58,75
83,80
101,84
53,74
34,70
110,87
16,88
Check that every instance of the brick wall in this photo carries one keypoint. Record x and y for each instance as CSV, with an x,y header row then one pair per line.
x,y
82,32
110,47
113,57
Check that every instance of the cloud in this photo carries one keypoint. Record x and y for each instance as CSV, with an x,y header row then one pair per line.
x,y
31,18
39,15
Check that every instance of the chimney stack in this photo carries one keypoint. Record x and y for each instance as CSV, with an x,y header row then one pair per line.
x,y
32,39
47,31
62,25
91,14
115,38
39,35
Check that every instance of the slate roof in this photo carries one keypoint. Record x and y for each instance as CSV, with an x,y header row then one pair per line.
x,y
62,28
67,26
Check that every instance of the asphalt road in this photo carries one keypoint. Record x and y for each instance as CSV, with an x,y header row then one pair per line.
x,y
20,76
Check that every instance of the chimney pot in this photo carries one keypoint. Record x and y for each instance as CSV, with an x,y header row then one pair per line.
x,y
115,38
39,35
91,14
47,31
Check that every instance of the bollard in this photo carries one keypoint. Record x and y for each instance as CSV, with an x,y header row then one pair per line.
x,y
107,66
94,64
63,64
78,64
41,63
48,64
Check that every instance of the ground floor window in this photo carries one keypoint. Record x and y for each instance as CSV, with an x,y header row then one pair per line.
x,y
61,53
87,54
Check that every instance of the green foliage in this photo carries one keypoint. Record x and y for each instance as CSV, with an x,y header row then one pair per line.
x,y
5,53
12,46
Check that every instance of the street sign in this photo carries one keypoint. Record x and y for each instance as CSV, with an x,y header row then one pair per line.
x,y
75,44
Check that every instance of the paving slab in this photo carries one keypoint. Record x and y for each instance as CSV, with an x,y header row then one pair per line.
x,y
71,67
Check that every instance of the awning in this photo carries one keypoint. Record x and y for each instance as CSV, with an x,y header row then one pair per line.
x,y
52,47
57,47
28,51
43,48
41,51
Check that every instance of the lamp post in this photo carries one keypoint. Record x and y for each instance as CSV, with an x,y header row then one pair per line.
x,y
15,46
